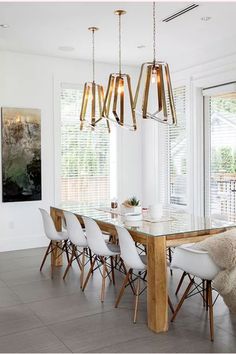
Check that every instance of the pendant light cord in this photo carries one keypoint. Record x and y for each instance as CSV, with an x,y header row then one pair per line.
x,y
154,31
93,55
120,44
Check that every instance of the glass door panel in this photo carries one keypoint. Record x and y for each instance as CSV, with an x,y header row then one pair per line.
x,y
220,150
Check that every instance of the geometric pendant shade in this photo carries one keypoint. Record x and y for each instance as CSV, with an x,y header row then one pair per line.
x,y
93,97
155,84
119,105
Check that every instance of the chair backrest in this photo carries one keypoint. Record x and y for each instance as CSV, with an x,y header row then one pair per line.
x,y
74,230
194,262
129,252
49,227
95,237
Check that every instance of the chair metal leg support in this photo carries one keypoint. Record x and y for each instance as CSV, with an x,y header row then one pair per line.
x,y
112,270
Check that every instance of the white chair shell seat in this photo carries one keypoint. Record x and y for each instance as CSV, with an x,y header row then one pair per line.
x,y
63,236
114,249
195,262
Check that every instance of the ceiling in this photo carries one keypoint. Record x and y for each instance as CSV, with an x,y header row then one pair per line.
x,y
41,28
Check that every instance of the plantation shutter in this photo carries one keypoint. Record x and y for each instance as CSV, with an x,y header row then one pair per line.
x,y
85,155
177,151
173,158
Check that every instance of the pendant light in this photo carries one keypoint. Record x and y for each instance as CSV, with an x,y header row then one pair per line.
x,y
119,88
93,96
156,80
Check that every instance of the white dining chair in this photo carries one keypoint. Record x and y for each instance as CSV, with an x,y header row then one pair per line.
x,y
78,244
196,263
58,240
102,251
136,265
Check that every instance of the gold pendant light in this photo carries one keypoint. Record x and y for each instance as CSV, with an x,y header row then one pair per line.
x,y
157,87
93,97
119,87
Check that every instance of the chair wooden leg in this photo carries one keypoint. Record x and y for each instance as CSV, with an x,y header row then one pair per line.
x,y
182,300
104,271
180,283
136,299
89,273
45,256
126,280
70,262
112,270
82,269
170,305
210,303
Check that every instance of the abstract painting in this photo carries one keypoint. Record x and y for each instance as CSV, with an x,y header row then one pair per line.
x,y
21,154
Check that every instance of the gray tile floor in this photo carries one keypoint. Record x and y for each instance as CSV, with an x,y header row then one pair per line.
x,y
40,314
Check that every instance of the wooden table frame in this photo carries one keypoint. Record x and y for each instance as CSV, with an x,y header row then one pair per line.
x,y
157,287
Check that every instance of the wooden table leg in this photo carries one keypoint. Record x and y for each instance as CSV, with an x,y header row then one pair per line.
x,y
55,260
157,289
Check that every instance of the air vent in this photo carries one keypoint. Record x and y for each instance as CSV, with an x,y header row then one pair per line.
x,y
180,13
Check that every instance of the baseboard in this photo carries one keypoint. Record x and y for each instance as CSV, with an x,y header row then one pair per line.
x,y
20,243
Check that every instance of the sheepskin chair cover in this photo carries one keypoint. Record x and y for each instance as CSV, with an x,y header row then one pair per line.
x,y
222,249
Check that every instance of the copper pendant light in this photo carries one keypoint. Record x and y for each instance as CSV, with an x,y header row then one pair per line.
x,y
93,96
119,88
156,79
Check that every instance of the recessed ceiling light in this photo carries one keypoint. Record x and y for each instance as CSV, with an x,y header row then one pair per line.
x,y
66,48
4,25
206,18
141,46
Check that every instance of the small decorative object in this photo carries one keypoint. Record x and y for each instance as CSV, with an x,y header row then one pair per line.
x,y
133,204
157,87
114,203
21,154
117,92
93,95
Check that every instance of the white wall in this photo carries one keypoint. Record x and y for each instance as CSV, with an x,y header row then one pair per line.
x,y
34,82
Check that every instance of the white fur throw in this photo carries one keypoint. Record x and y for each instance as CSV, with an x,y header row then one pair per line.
x,y
222,249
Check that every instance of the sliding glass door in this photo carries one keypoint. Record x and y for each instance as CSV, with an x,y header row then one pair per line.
x,y
220,152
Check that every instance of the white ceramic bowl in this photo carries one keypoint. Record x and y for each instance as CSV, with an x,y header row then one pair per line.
x,y
133,217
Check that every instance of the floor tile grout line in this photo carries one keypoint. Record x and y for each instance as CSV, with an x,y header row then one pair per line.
x,y
50,330
76,318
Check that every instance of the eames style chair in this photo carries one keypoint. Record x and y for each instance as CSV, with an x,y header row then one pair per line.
x,y
58,240
196,263
136,265
78,244
102,251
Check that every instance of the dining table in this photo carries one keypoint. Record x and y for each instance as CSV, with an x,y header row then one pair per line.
x,y
173,228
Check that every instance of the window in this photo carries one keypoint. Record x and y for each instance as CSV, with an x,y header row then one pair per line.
x,y
220,162
173,159
86,155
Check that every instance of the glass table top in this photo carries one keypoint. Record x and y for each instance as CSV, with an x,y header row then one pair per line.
x,y
172,221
